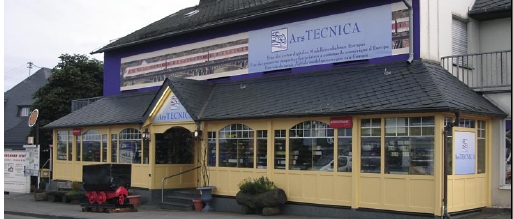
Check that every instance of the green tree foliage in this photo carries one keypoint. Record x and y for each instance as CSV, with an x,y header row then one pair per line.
x,y
74,77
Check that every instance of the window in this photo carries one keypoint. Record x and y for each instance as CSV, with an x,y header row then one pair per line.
x,y
467,123
91,141
345,147
78,141
130,146
114,145
371,145
409,145
311,146
211,149
70,145
280,139
23,111
261,149
62,144
236,147
104,148
481,147
507,157
459,41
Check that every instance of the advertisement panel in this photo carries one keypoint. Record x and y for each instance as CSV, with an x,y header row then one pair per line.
x,y
31,160
464,152
220,57
351,36
14,177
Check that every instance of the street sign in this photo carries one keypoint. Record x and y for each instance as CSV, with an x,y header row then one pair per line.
x,y
33,117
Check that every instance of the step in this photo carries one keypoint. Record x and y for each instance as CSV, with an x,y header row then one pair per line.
x,y
179,199
176,206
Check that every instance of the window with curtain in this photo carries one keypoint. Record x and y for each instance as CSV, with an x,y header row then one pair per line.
x,y
311,146
236,147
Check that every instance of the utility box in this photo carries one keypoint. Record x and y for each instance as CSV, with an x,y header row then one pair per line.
x,y
106,177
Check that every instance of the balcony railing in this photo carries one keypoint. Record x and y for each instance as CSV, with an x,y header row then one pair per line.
x,y
78,104
482,71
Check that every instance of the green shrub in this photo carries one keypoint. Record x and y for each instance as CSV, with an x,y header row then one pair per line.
x,y
76,186
255,186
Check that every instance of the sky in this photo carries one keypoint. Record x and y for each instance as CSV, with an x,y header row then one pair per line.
x,y
40,31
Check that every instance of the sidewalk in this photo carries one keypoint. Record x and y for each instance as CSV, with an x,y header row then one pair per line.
x,y
24,204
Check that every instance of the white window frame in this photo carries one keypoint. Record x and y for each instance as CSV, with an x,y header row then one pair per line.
x,y
502,174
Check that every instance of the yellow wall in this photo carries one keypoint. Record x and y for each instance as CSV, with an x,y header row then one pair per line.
x,y
407,193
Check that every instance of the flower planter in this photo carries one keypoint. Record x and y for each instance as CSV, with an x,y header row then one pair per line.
x,y
135,200
266,203
198,204
206,196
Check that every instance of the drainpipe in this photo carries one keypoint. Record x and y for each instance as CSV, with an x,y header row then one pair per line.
x,y
447,131
410,37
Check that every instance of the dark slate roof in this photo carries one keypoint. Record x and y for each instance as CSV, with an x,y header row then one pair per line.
x,y
490,9
209,14
421,86
16,128
126,108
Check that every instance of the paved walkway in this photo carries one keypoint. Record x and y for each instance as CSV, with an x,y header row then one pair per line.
x,y
25,205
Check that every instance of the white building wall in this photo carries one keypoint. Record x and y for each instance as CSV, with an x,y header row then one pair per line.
x,y
435,26
495,35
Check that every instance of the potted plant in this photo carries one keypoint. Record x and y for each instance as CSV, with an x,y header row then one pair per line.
x,y
260,196
134,199
75,195
205,188
40,192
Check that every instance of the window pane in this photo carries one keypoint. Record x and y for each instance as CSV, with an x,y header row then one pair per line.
x,y
371,155
313,151
114,144
79,144
130,146
279,149
91,141
344,151
236,149
262,149
411,152
70,145
62,141
211,159
481,156
104,148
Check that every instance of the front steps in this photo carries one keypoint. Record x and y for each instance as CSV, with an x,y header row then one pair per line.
x,y
180,200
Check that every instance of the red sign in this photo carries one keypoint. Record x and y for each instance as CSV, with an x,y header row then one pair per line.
x,y
77,131
341,122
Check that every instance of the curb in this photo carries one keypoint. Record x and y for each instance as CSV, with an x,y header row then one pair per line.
x,y
40,215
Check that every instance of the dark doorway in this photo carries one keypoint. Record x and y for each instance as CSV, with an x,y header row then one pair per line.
x,y
175,146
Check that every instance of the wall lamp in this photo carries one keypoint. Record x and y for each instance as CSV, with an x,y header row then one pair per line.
x,y
198,135
146,135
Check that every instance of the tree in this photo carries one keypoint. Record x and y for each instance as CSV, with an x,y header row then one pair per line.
x,y
74,77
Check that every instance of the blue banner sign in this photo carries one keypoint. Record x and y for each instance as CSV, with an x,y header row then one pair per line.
x,y
356,35
172,111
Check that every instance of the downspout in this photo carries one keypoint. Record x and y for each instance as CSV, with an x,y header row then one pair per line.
x,y
410,35
447,131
